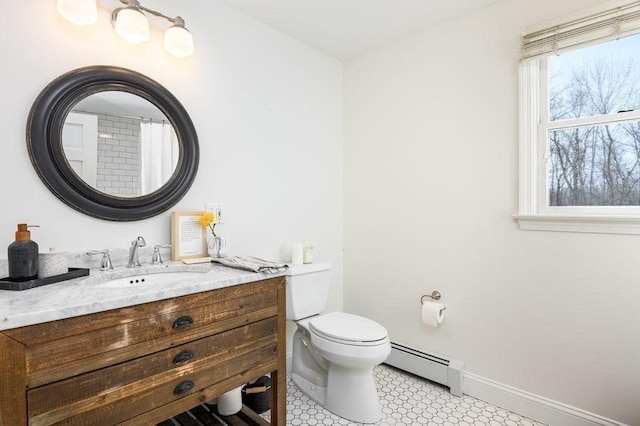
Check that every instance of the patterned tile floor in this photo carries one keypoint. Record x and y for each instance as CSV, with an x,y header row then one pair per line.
x,y
407,400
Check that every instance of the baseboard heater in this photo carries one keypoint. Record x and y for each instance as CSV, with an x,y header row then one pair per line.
x,y
439,369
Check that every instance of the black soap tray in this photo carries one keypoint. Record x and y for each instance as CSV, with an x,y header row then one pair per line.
x,y
9,284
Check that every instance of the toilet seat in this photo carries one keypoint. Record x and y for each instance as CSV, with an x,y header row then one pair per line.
x,y
348,329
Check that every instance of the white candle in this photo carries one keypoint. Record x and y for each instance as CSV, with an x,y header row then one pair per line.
x,y
296,254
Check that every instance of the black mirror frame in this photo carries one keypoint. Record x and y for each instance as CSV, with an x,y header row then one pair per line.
x,y
44,143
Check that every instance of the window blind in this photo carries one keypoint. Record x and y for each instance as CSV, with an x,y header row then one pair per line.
x,y
608,24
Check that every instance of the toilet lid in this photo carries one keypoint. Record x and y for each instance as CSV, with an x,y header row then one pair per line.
x,y
347,327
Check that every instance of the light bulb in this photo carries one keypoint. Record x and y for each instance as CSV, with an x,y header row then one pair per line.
x,y
178,41
131,25
79,12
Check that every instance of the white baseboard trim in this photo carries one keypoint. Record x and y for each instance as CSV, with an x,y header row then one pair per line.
x,y
535,407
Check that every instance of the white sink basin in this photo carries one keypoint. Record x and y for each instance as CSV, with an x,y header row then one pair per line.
x,y
152,278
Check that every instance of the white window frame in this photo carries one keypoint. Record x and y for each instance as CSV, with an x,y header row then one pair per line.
x,y
534,212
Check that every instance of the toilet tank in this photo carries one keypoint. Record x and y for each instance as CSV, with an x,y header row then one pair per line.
x,y
307,289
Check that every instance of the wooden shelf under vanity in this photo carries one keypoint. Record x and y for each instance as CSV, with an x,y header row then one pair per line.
x,y
209,416
144,364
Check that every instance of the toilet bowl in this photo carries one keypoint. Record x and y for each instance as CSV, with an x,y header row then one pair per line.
x,y
334,353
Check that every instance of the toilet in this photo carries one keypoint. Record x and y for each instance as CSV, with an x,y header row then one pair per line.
x,y
333,353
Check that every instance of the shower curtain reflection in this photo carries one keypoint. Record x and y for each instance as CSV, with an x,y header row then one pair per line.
x,y
159,154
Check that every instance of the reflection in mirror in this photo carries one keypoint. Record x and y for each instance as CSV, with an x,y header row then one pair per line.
x,y
120,144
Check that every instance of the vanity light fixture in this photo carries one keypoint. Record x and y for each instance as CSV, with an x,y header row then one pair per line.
x,y
178,40
79,12
130,22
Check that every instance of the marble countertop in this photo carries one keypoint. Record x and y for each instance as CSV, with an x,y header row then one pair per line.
x,y
89,294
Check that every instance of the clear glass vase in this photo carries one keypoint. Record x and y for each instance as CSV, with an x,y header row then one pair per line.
x,y
217,246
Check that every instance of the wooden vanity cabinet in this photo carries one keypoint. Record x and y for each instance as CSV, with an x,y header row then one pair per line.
x,y
142,364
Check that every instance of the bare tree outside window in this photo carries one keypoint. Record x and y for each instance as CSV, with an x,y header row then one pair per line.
x,y
591,163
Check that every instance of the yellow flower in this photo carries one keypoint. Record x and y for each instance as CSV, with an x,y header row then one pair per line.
x,y
208,219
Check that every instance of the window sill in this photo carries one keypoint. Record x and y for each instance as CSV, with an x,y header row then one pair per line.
x,y
629,225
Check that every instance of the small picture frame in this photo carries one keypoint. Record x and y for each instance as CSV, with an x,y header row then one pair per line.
x,y
188,238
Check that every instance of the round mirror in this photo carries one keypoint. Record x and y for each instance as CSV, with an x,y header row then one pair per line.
x,y
112,143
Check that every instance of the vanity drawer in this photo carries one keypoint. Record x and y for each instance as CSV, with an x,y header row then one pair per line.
x,y
60,349
122,391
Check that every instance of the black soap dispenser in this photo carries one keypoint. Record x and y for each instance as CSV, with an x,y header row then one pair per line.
x,y
23,256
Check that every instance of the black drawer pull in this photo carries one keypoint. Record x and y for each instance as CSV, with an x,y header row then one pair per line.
x,y
183,322
183,387
183,357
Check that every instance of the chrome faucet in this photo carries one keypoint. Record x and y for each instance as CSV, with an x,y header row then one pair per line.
x,y
105,263
133,252
156,257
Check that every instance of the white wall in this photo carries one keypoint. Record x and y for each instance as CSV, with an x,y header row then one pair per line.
x,y
431,182
267,110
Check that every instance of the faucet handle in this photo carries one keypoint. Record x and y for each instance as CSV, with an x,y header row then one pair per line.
x,y
105,263
156,258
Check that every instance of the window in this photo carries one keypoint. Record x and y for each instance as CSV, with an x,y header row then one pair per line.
x,y
580,123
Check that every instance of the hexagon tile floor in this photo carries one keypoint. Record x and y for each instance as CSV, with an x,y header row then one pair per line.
x,y
407,400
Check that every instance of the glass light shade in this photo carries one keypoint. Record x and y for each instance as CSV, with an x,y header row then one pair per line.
x,y
79,12
132,25
178,41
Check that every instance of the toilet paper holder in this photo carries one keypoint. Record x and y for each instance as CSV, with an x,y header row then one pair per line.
x,y
435,295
